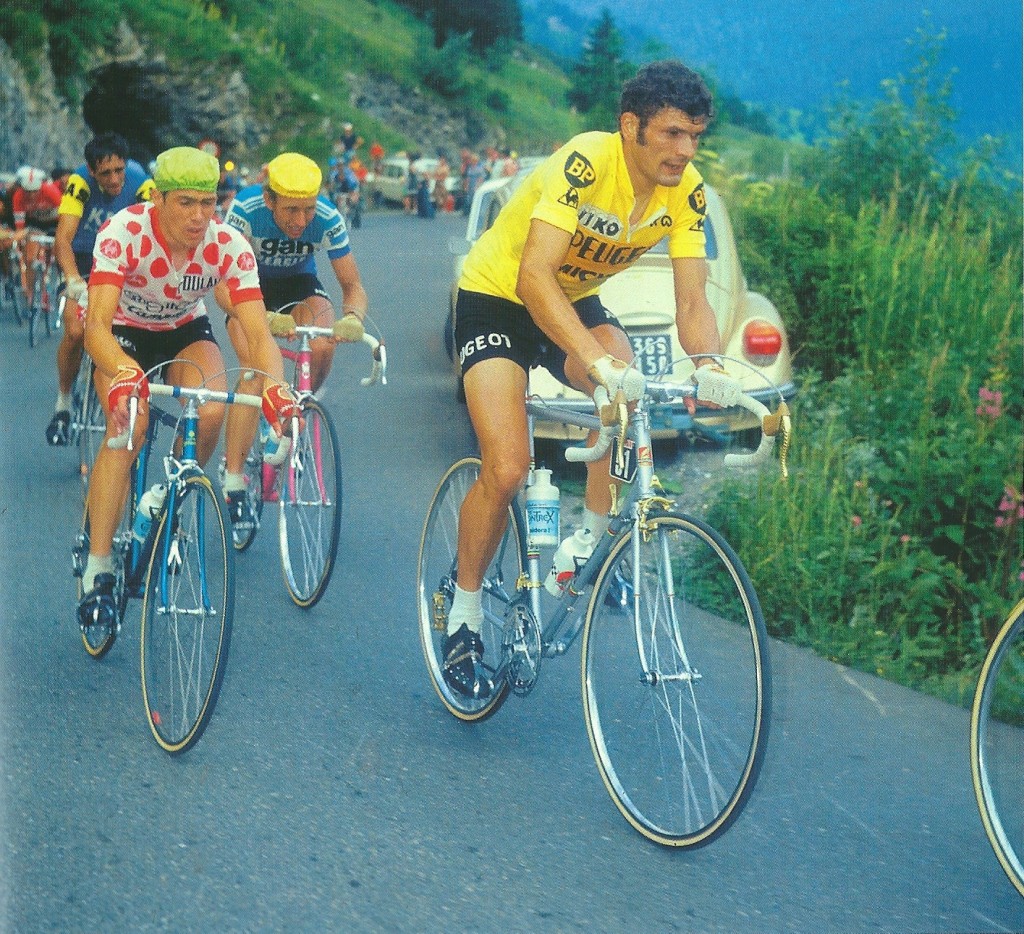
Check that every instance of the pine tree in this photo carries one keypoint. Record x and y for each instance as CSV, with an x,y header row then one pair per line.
x,y
598,76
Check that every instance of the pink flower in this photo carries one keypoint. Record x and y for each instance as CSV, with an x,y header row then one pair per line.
x,y
905,539
856,520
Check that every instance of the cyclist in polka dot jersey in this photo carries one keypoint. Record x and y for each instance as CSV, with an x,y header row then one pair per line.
x,y
153,264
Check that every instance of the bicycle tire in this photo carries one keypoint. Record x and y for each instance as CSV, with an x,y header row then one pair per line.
x,y
309,508
16,297
89,422
187,613
99,640
997,745
678,727
253,471
34,314
435,587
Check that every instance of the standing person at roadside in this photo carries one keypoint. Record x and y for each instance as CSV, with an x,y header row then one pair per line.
x,y
154,263
34,202
286,220
107,182
529,295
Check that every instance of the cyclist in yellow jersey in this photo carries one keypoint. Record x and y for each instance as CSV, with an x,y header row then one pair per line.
x,y
528,295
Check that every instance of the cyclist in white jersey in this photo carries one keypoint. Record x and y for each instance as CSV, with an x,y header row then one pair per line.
x,y
153,264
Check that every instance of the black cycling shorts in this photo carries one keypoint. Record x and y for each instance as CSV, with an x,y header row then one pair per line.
x,y
152,349
487,326
286,290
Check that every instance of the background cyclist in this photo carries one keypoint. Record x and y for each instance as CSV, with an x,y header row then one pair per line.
x,y
153,264
34,201
528,294
107,182
287,219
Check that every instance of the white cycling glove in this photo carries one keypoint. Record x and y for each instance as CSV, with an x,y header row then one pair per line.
x,y
349,328
716,386
77,290
614,375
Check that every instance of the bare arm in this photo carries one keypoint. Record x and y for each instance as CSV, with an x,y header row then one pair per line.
x,y
354,299
264,354
100,342
695,318
537,287
67,227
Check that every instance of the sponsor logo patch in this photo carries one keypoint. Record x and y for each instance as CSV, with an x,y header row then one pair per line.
x,y
578,171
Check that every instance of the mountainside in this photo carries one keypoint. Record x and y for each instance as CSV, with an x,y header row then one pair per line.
x,y
790,54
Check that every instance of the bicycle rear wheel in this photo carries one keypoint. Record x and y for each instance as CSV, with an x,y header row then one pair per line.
x,y
676,681
997,745
88,422
14,297
186,616
35,314
309,508
436,575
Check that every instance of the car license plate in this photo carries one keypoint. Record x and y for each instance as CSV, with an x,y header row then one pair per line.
x,y
653,353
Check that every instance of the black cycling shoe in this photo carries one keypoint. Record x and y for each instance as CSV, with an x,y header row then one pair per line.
x,y
97,607
463,667
57,430
240,510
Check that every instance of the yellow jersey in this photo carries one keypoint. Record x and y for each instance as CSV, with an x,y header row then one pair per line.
x,y
585,190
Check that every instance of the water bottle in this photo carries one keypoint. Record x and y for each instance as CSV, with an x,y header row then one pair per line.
x,y
151,503
542,510
570,556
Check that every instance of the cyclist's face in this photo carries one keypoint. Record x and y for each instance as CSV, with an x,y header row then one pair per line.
x,y
292,215
109,172
661,151
185,215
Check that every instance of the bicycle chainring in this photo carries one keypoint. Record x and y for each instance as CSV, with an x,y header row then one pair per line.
x,y
521,648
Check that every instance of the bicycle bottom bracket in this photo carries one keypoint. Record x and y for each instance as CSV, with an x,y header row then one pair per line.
x,y
521,649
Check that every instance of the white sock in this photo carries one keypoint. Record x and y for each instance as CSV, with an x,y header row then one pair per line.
x,y
233,482
63,402
93,566
596,524
467,607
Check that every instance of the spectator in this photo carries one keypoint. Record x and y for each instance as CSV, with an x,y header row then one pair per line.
x,y
474,176
349,141
441,184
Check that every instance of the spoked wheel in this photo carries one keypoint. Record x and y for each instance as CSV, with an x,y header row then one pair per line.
x,y
98,638
253,470
676,683
435,587
309,507
186,616
88,425
35,314
997,745
14,297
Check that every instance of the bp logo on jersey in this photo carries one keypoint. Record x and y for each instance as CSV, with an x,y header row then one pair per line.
x,y
698,200
578,171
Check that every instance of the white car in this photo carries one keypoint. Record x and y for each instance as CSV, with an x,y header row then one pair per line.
x,y
388,186
642,297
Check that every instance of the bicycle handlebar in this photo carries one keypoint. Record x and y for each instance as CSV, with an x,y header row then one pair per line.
x,y
201,394
614,417
378,352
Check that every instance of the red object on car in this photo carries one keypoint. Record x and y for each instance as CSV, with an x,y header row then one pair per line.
x,y
762,341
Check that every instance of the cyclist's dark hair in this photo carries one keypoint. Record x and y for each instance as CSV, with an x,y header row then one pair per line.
x,y
663,84
103,147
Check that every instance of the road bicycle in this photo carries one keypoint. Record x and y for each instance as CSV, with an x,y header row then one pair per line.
x,y
43,273
87,425
183,570
307,486
12,291
675,672
997,745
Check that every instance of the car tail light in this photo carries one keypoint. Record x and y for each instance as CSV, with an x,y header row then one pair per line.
x,y
762,342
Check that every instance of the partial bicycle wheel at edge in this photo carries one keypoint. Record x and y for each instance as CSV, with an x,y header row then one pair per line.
x,y
436,575
309,508
186,616
676,680
997,746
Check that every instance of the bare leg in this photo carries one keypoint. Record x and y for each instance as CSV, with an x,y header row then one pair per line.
x,y
495,392
242,421
69,351
205,367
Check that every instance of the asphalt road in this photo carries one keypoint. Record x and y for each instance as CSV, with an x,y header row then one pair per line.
x,y
332,792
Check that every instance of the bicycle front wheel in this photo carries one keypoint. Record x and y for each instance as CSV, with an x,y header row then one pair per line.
x,y
89,423
309,508
676,682
997,745
186,616
436,574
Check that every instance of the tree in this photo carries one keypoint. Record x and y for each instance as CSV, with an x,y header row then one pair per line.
x,y
598,76
484,21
